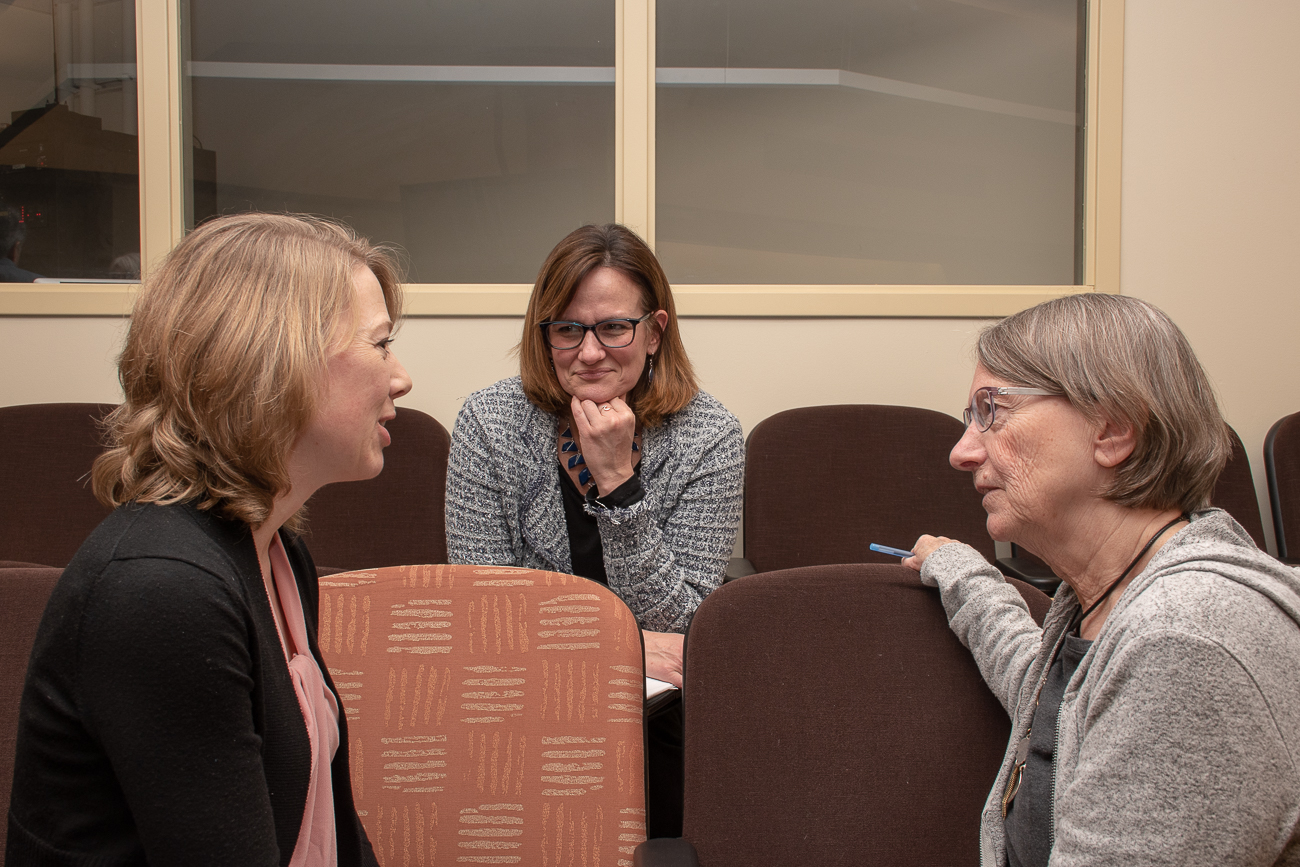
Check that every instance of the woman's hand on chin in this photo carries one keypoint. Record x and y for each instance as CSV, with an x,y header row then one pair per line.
x,y
924,547
663,656
605,431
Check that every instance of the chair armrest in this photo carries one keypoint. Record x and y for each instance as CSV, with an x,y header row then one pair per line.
x,y
665,852
1033,573
738,567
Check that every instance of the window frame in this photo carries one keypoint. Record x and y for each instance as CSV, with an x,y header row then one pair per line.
x,y
160,83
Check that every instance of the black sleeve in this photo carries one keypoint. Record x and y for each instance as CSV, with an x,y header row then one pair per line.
x,y
167,670
627,494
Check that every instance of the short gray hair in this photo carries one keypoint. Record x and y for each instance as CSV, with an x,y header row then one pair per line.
x,y
1122,359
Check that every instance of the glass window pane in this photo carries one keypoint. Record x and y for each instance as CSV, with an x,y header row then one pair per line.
x,y
868,141
69,163
474,135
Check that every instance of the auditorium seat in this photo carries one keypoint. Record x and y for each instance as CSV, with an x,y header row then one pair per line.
x,y
1282,468
824,482
397,517
46,506
833,718
494,714
24,591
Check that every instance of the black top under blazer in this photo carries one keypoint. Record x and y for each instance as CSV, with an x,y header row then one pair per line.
x,y
159,723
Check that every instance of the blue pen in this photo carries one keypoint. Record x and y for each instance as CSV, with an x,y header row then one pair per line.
x,y
893,552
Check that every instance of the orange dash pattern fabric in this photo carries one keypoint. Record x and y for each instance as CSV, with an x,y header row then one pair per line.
x,y
494,713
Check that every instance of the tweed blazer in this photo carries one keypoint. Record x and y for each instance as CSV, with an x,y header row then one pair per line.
x,y
663,555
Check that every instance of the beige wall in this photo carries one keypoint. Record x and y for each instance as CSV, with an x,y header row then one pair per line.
x,y
1210,230
1211,183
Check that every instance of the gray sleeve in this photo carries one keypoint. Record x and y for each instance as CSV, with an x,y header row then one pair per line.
x,y
478,531
989,617
663,558
1180,760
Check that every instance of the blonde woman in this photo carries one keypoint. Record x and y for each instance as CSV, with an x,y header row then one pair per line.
x,y
177,709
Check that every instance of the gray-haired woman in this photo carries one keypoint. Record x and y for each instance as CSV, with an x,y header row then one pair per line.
x,y
1156,714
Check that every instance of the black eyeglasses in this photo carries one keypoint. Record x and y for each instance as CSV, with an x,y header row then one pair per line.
x,y
612,333
983,407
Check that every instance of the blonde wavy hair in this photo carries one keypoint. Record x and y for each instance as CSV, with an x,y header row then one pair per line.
x,y
225,360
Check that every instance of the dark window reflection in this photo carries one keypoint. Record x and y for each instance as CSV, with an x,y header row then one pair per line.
x,y
69,164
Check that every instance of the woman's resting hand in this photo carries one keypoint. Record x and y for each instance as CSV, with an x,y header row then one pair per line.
x,y
663,656
924,547
606,440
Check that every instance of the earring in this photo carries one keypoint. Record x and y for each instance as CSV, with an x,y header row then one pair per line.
x,y
650,370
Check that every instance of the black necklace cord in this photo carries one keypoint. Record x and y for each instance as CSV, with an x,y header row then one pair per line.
x,y
1124,574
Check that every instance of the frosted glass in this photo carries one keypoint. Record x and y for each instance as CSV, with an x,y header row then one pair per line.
x,y
868,141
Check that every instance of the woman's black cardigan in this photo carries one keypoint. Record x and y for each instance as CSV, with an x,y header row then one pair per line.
x,y
158,722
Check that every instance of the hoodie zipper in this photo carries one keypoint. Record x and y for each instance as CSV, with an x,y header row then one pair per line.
x,y
1056,770
1059,645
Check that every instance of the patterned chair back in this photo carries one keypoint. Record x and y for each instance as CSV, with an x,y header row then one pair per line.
x,y
494,714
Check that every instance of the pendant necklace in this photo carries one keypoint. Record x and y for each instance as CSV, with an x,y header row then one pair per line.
x,y
1145,548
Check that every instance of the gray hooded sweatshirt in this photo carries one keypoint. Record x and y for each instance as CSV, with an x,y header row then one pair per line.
x,y
1178,740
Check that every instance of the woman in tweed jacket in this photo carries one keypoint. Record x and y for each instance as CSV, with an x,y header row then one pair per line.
x,y
603,458
662,555
659,463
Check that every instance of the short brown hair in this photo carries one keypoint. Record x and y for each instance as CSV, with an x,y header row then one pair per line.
x,y
581,252
1122,359
225,358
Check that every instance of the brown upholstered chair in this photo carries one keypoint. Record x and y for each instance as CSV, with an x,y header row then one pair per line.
x,y
1282,468
23,593
824,482
46,506
493,712
832,718
398,516
1234,493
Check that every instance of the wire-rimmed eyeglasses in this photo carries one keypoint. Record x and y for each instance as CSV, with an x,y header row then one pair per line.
x,y
612,333
983,407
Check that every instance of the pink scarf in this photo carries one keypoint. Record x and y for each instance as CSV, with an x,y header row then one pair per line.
x,y
317,844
